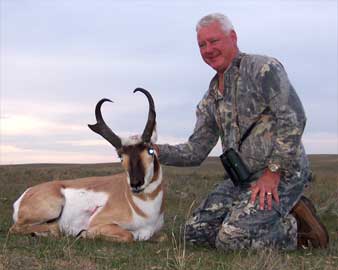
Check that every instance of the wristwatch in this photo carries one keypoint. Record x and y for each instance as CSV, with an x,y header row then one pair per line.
x,y
274,167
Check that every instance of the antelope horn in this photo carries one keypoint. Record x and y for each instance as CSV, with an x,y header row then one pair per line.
x,y
101,127
148,130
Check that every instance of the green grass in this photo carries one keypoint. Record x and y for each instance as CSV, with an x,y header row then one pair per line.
x,y
183,187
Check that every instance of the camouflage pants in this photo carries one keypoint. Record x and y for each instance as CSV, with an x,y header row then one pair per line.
x,y
228,221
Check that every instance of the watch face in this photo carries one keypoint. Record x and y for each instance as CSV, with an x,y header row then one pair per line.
x,y
273,167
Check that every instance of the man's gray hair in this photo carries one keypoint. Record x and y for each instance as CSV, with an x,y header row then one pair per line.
x,y
215,17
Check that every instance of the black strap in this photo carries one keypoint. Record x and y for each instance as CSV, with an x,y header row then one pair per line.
x,y
248,131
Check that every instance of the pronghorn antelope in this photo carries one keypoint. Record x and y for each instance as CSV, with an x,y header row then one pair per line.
x,y
122,207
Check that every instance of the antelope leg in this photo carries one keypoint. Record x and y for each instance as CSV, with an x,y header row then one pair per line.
x,y
110,232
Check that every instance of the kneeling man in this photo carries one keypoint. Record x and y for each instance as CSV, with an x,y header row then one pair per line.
x,y
252,106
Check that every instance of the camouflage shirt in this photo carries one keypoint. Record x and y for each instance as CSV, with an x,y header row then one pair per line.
x,y
259,97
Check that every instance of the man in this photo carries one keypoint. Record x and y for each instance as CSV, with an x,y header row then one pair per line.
x,y
254,109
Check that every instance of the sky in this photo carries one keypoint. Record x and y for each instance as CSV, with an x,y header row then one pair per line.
x,y
58,58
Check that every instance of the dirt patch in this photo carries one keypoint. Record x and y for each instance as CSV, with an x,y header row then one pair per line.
x,y
74,264
15,261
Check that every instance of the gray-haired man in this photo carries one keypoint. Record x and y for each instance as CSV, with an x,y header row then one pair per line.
x,y
249,93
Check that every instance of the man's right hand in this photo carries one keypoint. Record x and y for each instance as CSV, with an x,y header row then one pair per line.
x,y
266,187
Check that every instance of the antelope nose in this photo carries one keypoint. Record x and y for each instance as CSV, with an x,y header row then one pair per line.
x,y
136,189
136,186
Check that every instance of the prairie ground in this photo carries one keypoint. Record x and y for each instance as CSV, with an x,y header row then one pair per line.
x,y
184,187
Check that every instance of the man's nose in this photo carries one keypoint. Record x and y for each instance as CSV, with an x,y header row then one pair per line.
x,y
208,48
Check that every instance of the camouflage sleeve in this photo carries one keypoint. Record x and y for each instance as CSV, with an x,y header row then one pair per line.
x,y
199,145
288,111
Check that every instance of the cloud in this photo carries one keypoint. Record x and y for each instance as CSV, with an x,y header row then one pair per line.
x,y
15,155
24,125
83,142
41,109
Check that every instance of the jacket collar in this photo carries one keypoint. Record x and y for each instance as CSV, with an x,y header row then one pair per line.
x,y
229,74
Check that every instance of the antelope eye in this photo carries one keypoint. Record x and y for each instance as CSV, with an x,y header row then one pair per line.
x,y
151,151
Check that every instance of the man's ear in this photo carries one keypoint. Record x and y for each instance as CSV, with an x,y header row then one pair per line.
x,y
233,36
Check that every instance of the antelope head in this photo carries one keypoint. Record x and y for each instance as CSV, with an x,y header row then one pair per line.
x,y
137,154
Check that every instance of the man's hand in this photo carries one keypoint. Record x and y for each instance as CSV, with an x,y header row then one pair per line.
x,y
266,186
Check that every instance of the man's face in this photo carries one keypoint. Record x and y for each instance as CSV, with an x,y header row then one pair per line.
x,y
217,48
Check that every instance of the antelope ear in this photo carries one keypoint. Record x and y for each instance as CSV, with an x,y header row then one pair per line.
x,y
153,138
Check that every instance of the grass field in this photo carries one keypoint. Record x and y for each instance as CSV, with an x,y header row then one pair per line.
x,y
183,187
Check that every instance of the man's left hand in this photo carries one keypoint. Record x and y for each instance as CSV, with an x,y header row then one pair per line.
x,y
267,187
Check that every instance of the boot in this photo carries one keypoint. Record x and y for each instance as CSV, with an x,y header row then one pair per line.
x,y
311,232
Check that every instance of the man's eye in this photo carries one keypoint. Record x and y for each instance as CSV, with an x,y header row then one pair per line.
x,y
214,41
151,151
201,45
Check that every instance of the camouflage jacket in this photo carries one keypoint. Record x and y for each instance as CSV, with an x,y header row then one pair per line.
x,y
257,97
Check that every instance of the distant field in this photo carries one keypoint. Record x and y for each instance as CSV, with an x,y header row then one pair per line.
x,y
183,187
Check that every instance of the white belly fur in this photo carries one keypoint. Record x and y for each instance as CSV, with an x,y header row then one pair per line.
x,y
80,205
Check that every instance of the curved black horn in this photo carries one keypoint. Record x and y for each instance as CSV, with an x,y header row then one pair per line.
x,y
148,130
101,127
